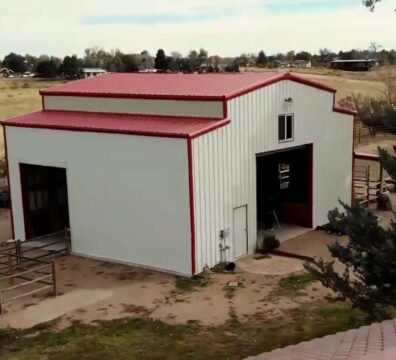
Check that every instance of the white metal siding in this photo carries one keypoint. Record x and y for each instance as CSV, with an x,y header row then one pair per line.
x,y
210,109
225,162
128,195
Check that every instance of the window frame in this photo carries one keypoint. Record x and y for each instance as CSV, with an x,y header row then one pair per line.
x,y
285,116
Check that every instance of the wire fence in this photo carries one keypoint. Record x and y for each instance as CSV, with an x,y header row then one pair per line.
x,y
28,267
364,134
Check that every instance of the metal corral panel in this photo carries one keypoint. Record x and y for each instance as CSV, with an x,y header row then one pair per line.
x,y
225,160
209,109
128,195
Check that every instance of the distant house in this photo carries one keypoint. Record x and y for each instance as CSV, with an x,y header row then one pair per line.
x,y
354,65
89,72
302,64
4,72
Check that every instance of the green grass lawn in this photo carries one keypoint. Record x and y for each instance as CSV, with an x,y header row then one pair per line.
x,y
146,339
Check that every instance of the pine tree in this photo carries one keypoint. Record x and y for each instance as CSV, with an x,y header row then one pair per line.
x,y
160,60
261,59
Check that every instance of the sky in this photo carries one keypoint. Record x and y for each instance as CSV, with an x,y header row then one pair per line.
x,y
223,27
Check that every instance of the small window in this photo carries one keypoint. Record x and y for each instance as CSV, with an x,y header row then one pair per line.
x,y
285,127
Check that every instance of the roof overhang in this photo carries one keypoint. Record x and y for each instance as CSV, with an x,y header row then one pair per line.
x,y
143,125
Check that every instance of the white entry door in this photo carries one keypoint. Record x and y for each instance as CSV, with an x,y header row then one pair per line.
x,y
240,231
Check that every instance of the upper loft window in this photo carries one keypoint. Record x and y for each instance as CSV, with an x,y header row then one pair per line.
x,y
286,127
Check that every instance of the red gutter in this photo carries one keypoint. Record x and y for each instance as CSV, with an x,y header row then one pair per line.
x,y
344,111
8,179
134,96
135,114
191,195
218,124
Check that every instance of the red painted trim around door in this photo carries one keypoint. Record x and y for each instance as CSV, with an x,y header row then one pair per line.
x,y
9,182
191,195
311,183
25,202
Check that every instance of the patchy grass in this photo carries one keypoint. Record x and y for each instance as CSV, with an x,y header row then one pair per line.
x,y
146,339
294,284
186,284
20,96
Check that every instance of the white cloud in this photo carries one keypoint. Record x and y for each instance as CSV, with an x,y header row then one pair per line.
x,y
60,27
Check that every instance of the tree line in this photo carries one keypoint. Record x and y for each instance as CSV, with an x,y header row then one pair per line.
x,y
197,60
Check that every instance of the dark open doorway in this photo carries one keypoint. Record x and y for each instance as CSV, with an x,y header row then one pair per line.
x,y
45,200
284,187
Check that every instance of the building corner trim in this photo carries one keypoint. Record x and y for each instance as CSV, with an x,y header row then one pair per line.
x,y
191,200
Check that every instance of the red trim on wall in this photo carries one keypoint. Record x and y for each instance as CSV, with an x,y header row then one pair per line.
x,y
192,215
9,182
25,202
311,183
280,77
225,109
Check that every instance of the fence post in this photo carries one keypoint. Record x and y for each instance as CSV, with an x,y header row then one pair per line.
x,y
368,185
381,179
359,134
18,253
54,278
10,269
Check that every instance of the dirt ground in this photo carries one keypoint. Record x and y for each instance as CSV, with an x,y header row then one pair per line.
x,y
91,290
116,291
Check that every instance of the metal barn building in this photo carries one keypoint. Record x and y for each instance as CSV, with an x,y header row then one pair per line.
x,y
175,171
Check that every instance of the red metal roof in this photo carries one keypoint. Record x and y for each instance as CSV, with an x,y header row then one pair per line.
x,y
165,126
176,86
377,341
